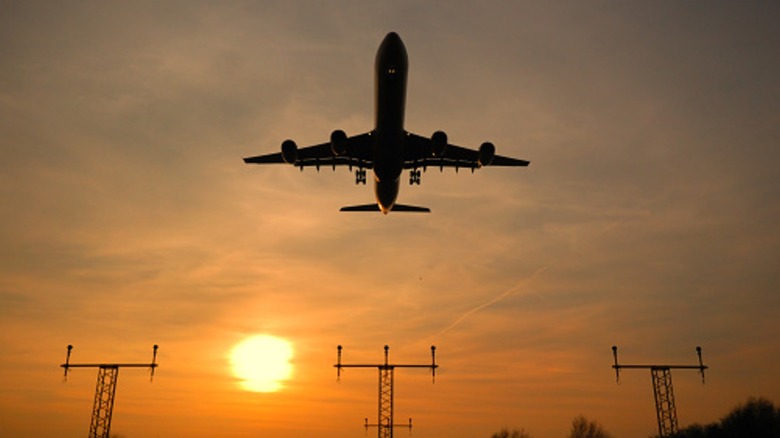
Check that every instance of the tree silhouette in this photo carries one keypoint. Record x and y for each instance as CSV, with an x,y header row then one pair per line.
x,y
581,427
505,433
758,418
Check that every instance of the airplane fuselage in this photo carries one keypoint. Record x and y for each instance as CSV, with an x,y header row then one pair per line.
x,y
390,104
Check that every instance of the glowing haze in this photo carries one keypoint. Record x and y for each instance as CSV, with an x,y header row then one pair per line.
x,y
648,218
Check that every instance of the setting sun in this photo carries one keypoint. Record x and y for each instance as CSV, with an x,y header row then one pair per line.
x,y
262,362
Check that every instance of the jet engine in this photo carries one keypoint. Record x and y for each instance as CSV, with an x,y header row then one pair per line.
x,y
486,153
289,152
439,139
338,142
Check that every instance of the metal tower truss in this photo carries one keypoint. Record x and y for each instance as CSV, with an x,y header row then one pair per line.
x,y
386,376
385,424
665,409
103,406
105,390
664,400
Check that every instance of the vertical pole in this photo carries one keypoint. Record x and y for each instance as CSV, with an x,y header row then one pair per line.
x,y
701,364
616,366
433,365
154,362
665,408
338,365
103,406
66,365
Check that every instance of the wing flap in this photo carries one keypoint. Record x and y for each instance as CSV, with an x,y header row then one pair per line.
x,y
334,161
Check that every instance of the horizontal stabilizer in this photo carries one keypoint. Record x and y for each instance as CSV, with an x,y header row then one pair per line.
x,y
410,208
396,207
367,207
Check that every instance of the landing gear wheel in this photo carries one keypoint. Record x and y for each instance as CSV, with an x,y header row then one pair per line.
x,y
360,176
415,177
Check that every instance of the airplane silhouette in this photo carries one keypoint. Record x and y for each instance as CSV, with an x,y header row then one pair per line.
x,y
388,149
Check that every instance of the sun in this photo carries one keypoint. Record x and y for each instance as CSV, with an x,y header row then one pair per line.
x,y
262,362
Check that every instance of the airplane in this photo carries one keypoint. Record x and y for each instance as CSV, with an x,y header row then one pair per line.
x,y
388,149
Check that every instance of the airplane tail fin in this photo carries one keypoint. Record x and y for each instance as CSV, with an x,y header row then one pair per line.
x,y
396,207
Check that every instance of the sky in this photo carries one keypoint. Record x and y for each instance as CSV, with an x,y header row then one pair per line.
x,y
648,218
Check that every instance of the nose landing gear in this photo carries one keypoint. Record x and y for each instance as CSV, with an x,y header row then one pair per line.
x,y
360,176
415,177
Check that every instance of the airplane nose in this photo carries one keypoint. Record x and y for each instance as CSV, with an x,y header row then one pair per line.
x,y
392,38
391,54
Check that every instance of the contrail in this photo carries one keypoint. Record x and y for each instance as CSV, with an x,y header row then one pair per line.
x,y
514,289
493,300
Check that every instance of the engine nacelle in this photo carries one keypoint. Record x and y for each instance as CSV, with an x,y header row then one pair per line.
x,y
338,142
486,153
439,139
289,152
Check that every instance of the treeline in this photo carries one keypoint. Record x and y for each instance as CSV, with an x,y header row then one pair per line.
x,y
581,427
758,418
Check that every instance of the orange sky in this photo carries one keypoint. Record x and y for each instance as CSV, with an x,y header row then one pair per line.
x,y
648,217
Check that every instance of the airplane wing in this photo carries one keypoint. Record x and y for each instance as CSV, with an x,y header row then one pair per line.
x,y
357,153
419,153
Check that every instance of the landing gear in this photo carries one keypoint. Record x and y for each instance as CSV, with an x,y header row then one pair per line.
x,y
415,177
360,176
